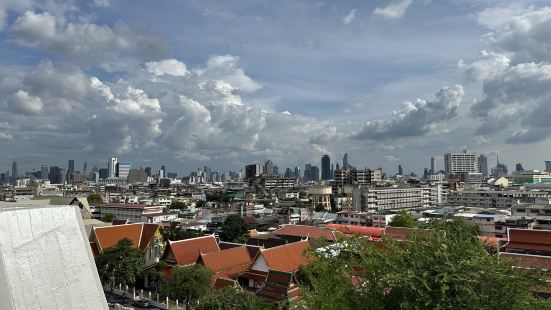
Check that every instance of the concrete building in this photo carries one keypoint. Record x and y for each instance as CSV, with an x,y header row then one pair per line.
x,y
455,163
14,174
321,196
349,176
44,171
111,167
133,212
353,218
122,170
548,165
395,198
252,171
493,199
482,163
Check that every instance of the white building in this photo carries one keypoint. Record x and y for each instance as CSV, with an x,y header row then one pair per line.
x,y
112,167
381,220
460,162
135,213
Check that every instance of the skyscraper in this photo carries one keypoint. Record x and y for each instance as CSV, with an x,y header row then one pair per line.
x,y
432,171
268,167
400,170
337,167
297,172
345,161
14,174
548,165
122,170
44,171
482,162
112,166
519,167
147,171
71,165
84,169
325,167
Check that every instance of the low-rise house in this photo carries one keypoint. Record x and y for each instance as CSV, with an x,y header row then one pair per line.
x,y
146,237
188,251
353,218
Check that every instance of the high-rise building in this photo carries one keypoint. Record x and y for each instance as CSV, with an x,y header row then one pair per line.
x,y
122,170
345,161
432,169
518,167
112,166
297,172
85,169
276,170
268,167
252,171
483,164
325,167
400,170
455,163
14,174
162,172
548,165
71,165
44,171
3,178
56,175
147,171
103,173
337,167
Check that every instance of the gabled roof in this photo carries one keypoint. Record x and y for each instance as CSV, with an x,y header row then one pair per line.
x,y
188,251
140,234
230,262
373,232
529,240
304,231
288,257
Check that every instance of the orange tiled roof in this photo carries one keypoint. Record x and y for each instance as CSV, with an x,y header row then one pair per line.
x,y
529,239
373,232
305,232
288,257
187,251
140,234
528,261
228,262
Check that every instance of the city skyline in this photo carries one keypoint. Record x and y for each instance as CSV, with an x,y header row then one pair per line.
x,y
189,84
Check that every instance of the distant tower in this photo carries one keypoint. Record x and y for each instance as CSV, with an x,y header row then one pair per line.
x,y
400,170
269,167
44,171
112,166
432,170
297,172
519,167
482,162
325,167
345,160
14,174
71,165
85,168
337,167
548,165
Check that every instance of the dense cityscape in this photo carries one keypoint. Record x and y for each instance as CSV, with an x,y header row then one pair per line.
x,y
223,155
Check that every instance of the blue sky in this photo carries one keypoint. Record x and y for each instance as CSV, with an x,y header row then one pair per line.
x,y
226,83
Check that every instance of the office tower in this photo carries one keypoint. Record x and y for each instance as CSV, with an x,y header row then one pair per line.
x,y
288,173
548,165
314,173
519,167
276,170
147,171
500,169
483,164
325,167
162,172
269,167
307,172
56,175
85,168
71,165
432,171
14,174
44,171
426,173
345,161
337,167
252,171
297,172
400,170
3,178
103,173
455,163
112,166
122,170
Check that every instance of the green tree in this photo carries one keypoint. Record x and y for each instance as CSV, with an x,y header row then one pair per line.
x,y
188,284
179,205
233,229
231,298
402,219
175,232
447,269
108,218
95,199
121,263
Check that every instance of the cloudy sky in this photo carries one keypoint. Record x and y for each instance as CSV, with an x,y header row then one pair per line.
x,y
226,83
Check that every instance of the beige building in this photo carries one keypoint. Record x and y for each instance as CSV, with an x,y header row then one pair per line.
x,y
320,195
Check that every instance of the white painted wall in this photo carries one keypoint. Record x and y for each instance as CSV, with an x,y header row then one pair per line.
x,y
46,261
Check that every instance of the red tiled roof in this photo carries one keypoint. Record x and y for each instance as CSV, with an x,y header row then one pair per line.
x,y
305,232
528,261
224,282
373,232
187,251
228,262
529,239
288,257
140,234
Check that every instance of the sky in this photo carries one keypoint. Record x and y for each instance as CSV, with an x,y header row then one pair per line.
x,y
228,83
